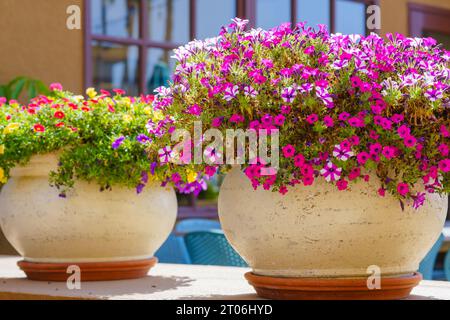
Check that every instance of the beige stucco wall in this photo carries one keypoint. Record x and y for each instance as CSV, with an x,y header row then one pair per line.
x,y
35,42
394,13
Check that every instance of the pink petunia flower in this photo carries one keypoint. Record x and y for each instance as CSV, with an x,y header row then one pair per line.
x,y
312,118
328,121
299,160
443,149
403,131
410,141
56,86
354,174
285,109
279,120
403,189
195,110
362,158
389,152
308,180
444,131
342,184
288,151
444,165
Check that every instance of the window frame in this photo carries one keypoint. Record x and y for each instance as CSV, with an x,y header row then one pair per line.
x,y
244,9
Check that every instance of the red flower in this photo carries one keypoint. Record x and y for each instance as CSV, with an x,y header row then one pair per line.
x,y
39,128
59,125
59,115
119,92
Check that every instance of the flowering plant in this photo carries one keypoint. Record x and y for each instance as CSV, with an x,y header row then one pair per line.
x,y
104,138
345,105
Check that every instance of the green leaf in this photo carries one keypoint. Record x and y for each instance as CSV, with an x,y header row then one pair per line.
x,y
16,87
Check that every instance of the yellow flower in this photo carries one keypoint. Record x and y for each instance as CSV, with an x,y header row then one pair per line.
x,y
127,118
2,176
157,116
78,99
91,93
148,110
191,176
10,128
2,149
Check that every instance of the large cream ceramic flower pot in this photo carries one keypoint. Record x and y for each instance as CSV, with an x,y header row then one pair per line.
x,y
88,226
320,232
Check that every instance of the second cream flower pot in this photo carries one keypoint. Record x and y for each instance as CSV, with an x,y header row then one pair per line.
x,y
318,232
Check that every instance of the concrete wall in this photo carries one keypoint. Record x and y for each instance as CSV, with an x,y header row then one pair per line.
x,y
35,42
394,13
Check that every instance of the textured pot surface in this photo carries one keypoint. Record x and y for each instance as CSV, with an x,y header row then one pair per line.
x,y
88,225
318,231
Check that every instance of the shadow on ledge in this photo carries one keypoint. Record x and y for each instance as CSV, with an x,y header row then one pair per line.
x,y
93,290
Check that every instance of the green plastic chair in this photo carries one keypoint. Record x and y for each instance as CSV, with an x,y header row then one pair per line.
x,y
426,267
212,248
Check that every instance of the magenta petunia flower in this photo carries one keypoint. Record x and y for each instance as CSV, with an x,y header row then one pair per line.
x,y
443,149
307,170
331,172
299,160
342,184
403,131
434,94
328,121
389,152
403,189
342,153
236,118
444,131
362,158
285,110
195,110
444,165
288,94
279,120
410,141
217,122
288,151
231,92
308,180
382,192
344,116
419,200
312,118
354,174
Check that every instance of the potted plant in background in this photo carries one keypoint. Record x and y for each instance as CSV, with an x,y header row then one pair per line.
x,y
361,189
83,184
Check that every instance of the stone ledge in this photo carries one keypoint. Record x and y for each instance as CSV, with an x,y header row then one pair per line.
x,y
164,282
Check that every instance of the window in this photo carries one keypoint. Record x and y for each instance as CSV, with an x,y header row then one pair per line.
x,y
129,42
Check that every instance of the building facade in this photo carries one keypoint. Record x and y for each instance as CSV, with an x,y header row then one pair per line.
x,y
128,43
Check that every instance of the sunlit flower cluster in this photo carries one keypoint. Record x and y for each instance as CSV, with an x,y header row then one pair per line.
x,y
346,105
105,138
